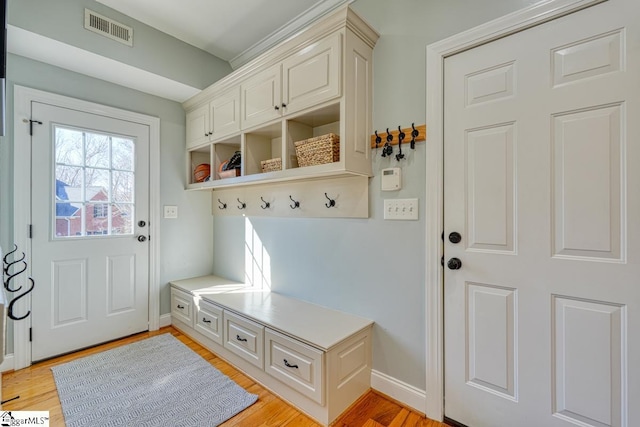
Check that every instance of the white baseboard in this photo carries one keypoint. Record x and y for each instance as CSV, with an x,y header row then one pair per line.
x,y
404,393
7,363
165,320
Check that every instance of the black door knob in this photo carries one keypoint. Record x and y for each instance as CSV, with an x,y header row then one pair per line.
x,y
454,264
455,237
142,238
141,223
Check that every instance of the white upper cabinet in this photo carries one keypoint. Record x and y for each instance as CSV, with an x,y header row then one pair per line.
x,y
197,127
224,113
314,84
312,75
261,97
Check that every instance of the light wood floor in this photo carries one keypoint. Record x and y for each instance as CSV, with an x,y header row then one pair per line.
x,y
37,391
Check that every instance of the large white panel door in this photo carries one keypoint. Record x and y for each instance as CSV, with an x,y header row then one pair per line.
x,y
542,182
90,209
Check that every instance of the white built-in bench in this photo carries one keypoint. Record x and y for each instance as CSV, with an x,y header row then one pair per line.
x,y
316,358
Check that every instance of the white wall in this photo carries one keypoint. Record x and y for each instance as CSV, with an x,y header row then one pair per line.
x,y
371,267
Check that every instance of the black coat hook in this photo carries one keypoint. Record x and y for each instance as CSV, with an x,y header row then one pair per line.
x,y
222,205
414,134
387,149
266,205
401,136
378,139
13,301
295,204
242,205
332,202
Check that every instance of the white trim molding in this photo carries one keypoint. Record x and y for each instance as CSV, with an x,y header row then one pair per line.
x,y
400,391
23,97
165,320
531,16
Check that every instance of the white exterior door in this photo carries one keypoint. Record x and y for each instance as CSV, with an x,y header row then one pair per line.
x,y
90,210
542,182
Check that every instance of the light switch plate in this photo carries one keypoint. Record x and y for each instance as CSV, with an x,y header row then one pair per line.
x,y
401,209
170,211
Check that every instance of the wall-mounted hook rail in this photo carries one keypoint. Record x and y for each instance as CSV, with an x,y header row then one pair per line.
x,y
296,204
242,205
331,203
222,205
266,205
420,136
401,136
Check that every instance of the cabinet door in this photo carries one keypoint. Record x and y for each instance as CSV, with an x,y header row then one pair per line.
x,y
225,114
313,75
261,97
198,126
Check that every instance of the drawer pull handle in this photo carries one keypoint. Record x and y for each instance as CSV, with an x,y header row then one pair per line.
x,y
180,306
288,365
241,339
204,319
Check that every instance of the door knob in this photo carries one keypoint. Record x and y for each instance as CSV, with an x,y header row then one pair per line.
x,y
454,264
455,237
141,223
142,238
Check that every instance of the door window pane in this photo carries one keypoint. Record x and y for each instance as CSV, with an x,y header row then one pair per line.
x,y
95,184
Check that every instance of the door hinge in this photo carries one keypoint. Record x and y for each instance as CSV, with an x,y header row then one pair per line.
x,y
30,334
30,231
31,122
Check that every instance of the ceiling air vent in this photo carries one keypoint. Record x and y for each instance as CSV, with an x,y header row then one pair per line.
x,y
108,27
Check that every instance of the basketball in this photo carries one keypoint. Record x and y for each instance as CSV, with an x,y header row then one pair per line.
x,y
201,172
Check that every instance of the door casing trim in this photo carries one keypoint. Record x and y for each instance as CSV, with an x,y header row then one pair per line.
x,y
23,96
531,16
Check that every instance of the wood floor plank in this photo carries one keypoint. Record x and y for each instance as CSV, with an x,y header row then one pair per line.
x,y
37,391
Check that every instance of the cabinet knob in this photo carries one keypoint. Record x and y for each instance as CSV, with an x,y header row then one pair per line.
x,y
204,319
276,107
181,307
284,105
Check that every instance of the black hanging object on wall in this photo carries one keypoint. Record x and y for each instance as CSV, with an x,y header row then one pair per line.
x,y
10,275
242,205
414,134
331,203
295,204
378,140
401,136
222,205
387,149
266,205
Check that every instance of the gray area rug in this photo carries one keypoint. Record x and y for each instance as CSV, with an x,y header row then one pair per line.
x,y
155,382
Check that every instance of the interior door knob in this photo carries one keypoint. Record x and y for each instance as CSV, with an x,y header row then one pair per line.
x,y
142,238
142,223
454,264
455,237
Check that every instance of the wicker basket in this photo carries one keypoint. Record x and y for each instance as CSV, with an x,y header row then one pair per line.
x,y
271,165
318,150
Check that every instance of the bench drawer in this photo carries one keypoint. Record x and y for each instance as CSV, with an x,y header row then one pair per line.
x,y
209,321
182,306
296,364
244,338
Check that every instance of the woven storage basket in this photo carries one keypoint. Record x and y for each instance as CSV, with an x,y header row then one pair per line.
x,y
271,165
318,150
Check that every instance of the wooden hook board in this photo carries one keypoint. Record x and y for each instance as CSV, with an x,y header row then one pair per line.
x,y
422,136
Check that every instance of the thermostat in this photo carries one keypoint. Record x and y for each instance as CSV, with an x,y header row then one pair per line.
x,y
390,180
